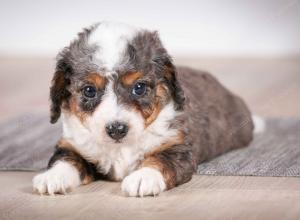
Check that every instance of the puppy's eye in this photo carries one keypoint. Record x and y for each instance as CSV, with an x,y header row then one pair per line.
x,y
89,91
139,89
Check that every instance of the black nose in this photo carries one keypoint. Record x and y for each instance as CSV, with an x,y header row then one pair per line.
x,y
116,130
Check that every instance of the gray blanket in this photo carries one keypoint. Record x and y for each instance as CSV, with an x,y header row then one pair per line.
x,y
27,142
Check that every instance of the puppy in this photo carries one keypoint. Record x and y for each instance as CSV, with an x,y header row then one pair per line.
x,y
128,114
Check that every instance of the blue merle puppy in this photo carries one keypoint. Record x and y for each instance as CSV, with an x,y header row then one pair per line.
x,y
128,114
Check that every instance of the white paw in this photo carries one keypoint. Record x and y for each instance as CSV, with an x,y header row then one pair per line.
x,y
61,178
144,182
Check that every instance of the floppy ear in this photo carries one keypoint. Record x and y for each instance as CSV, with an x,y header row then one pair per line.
x,y
58,93
170,74
164,64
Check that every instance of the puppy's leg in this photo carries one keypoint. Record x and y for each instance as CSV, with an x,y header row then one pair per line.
x,y
66,170
160,171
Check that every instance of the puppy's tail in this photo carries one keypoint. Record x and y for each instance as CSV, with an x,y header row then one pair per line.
x,y
259,124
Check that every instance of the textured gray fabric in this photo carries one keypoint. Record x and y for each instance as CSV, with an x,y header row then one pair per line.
x,y
27,142
276,152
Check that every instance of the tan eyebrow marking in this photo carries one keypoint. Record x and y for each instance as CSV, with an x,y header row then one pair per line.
x,y
97,80
161,99
129,78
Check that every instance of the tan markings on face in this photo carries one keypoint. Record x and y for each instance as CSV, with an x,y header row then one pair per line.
x,y
97,80
76,163
74,109
151,114
129,79
161,97
73,105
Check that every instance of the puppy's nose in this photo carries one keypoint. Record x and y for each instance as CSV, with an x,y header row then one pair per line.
x,y
117,130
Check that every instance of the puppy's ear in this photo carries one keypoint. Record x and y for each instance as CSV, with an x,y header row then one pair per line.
x,y
58,94
78,50
150,47
170,75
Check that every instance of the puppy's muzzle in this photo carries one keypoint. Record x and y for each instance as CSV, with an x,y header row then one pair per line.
x,y
117,130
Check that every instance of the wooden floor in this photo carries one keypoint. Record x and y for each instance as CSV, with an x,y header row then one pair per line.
x,y
205,197
271,87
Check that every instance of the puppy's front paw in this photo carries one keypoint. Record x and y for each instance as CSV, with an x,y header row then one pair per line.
x,y
144,182
61,178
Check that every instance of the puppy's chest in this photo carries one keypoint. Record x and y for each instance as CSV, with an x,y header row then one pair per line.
x,y
115,162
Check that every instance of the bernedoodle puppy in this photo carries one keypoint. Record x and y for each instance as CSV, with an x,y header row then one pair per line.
x,y
128,114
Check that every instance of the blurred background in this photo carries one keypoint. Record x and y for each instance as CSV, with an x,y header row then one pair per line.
x,y
252,46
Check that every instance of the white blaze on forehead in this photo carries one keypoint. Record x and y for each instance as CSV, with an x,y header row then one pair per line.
x,y
112,39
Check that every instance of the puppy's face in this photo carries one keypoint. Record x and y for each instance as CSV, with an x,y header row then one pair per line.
x,y
114,81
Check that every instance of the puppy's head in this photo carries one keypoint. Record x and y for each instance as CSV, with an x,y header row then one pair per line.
x,y
114,81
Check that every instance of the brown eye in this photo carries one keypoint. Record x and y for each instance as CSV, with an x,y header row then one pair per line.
x,y
89,91
139,89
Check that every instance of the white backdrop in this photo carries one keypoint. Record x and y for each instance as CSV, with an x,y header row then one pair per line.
x,y
210,28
